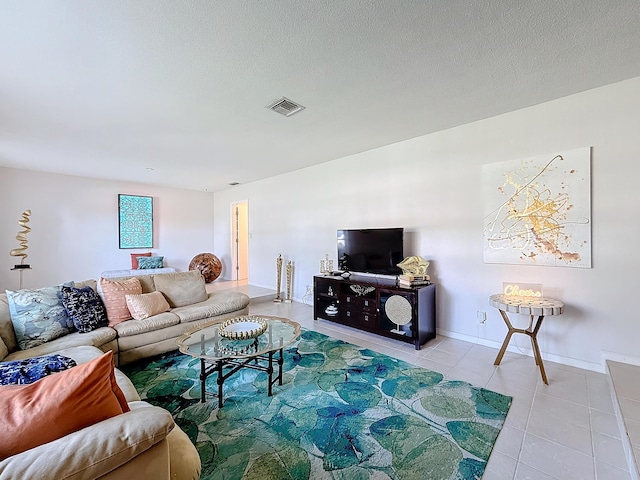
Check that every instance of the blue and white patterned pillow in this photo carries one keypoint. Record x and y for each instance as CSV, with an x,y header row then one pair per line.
x,y
85,308
38,316
150,262
22,372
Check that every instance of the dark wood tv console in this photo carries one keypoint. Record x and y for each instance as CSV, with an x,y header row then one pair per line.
x,y
377,305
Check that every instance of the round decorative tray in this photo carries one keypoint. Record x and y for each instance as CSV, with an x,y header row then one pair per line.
x,y
243,328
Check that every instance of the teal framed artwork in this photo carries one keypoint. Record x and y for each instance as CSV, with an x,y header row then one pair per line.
x,y
135,221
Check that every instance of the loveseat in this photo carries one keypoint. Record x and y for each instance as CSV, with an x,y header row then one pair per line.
x,y
144,442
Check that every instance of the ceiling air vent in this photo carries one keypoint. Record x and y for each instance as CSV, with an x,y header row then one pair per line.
x,y
286,107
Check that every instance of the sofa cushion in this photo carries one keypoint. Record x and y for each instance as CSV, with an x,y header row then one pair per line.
x,y
146,305
30,415
146,281
183,288
114,293
84,354
38,315
7,333
150,324
96,338
134,258
216,304
97,451
85,308
4,351
184,461
146,263
87,283
23,372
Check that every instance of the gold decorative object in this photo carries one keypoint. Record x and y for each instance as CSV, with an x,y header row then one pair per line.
x,y
289,269
414,265
243,328
22,238
21,251
278,299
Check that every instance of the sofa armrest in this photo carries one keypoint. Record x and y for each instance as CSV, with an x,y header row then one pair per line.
x,y
93,451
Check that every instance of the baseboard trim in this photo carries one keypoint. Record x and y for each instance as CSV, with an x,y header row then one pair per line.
x,y
624,435
572,362
620,357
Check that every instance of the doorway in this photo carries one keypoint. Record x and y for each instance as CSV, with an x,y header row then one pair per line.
x,y
240,241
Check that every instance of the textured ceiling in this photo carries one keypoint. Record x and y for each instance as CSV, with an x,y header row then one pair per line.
x,y
108,88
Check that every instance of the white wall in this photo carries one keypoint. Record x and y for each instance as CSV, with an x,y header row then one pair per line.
x,y
74,224
431,186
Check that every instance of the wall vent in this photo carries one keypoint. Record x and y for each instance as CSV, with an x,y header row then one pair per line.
x,y
285,106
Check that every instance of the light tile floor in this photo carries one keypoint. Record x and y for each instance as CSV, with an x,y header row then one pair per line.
x,y
565,430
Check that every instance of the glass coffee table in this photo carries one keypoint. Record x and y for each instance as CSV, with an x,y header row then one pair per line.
x,y
250,341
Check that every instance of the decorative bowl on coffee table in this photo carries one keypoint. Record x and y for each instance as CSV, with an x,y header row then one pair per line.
x,y
243,328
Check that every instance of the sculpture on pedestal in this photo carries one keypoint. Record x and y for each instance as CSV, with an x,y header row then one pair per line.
x,y
21,251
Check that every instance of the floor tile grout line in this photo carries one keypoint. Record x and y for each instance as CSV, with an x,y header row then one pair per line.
x,y
558,444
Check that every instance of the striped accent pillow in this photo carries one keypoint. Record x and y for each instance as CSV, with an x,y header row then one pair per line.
x,y
114,293
146,305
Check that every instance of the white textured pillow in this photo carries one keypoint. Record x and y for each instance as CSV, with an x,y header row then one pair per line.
x,y
146,305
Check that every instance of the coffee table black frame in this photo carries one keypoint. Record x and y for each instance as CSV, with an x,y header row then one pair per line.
x,y
207,369
257,354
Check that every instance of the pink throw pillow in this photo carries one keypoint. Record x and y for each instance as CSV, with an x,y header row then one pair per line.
x,y
114,293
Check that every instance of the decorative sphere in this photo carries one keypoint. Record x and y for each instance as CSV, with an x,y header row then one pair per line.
x,y
209,265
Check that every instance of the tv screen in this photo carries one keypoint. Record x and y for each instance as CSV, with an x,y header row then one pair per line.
x,y
373,250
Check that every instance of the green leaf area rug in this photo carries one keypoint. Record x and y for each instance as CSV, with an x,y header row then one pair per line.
x,y
343,412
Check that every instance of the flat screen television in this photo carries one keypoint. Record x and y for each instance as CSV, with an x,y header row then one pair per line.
x,y
371,250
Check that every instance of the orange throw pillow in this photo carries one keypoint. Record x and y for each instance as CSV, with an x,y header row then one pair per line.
x,y
114,293
57,405
134,258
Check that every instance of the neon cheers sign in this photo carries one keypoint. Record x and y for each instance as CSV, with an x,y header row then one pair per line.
x,y
522,290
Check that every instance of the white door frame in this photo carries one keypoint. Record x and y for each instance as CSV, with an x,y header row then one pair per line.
x,y
240,240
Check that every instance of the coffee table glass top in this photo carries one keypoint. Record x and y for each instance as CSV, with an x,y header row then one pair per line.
x,y
208,343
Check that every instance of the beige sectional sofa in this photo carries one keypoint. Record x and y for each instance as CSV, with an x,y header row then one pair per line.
x,y
138,339
144,443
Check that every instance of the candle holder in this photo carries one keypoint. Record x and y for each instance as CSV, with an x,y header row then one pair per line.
x,y
278,299
216,341
326,265
289,269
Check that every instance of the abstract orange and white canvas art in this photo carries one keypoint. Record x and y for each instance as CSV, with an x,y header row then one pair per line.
x,y
537,211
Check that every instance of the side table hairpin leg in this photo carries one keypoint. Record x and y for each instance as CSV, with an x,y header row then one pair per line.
x,y
534,307
531,333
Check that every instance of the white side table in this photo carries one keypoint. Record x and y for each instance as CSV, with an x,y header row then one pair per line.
x,y
539,307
